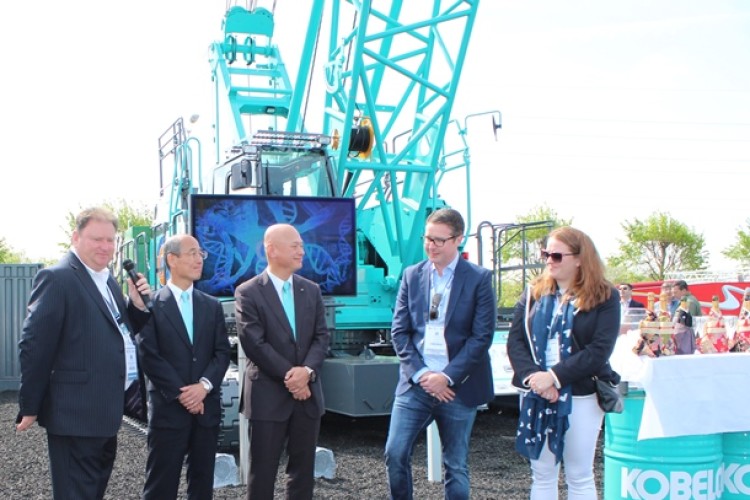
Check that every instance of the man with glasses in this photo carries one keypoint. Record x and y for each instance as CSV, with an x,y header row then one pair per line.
x,y
442,330
184,351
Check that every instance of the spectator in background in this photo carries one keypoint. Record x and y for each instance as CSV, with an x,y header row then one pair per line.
x,y
673,302
185,353
681,290
626,297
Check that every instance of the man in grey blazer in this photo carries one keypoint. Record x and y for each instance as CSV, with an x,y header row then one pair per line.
x,y
77,358
282,396
442,331
185,359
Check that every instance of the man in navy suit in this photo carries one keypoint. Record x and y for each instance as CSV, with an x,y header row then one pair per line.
x,y
442,330
185,359
77,358
282,395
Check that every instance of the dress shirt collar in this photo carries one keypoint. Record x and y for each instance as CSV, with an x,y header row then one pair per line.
x,y
450,267
278,283
99,277
177,291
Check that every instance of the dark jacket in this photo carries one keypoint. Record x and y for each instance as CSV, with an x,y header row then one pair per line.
x,y
469,329
171,361
71,353
595,332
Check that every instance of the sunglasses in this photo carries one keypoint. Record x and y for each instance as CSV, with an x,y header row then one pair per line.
x,y
555,256
434,306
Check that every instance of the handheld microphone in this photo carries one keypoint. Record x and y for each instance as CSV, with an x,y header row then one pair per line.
x,y
129,267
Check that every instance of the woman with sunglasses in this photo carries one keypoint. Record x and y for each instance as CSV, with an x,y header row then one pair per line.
x,y
564,330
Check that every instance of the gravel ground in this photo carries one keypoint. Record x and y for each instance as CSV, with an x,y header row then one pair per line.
x,y
497,470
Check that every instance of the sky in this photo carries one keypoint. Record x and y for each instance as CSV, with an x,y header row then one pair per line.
x,y
611,111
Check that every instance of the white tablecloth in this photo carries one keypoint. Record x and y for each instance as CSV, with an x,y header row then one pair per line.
x,y
687,395
696,394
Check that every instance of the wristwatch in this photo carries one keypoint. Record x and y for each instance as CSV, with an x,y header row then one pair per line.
x,y
206,385
311,373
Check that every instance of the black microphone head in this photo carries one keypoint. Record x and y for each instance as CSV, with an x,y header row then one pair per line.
x,y
128,265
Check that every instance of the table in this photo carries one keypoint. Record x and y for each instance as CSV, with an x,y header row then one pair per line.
x,y
687,395
695,394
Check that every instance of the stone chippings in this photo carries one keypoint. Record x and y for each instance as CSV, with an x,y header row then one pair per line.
x,y
497,470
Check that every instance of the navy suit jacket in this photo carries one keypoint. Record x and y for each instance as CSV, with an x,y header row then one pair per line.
x,y
72,353
171,361
271,349
469,329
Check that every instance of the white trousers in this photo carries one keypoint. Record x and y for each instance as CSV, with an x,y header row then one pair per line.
x,y
585,423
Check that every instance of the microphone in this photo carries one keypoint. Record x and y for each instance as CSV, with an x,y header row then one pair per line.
x,y
129,267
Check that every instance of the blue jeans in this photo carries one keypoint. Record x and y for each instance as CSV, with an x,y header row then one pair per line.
x,y
412,412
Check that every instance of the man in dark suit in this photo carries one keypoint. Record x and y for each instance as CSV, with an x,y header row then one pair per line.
x,y
77,358
442,330
626,297
282,396
185,359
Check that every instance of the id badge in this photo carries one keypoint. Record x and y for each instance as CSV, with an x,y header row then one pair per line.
x,y
131,360
434,341
552,354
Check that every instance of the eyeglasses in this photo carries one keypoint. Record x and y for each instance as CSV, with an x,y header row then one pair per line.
x,y
196,253
434,313
439,242
623,289
556,256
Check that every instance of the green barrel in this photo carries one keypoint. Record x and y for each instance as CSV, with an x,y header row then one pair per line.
x,y
679,468
736,465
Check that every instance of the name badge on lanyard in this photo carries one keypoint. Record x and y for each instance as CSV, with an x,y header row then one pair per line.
x,y
131,361
552,352
434,340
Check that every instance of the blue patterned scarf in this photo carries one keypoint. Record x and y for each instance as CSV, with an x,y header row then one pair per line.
x,y
540,420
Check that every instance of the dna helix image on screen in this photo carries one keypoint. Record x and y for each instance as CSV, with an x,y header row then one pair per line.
x,y
231,228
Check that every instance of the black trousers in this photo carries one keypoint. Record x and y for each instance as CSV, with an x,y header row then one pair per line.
x,y
80,466
168,450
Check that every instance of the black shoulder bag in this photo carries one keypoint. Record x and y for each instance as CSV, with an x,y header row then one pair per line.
x,y
607,394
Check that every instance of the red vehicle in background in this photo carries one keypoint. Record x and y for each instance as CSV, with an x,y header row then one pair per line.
x,y
730,288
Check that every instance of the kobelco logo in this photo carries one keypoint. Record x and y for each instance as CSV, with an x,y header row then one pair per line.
x,y
707,484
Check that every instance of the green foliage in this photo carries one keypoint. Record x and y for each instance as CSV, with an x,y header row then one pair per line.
x,y
740,251
659,245
8,255
622,274
127,215
519,247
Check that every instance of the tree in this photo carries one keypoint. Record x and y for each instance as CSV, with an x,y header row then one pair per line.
x,y
126,214
740,251
8,255
660,245
518,251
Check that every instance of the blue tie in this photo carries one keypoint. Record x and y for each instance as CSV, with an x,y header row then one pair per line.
x,y
186,308
287,299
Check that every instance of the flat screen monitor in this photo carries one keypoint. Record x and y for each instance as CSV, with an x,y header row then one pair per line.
x,y
231,227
